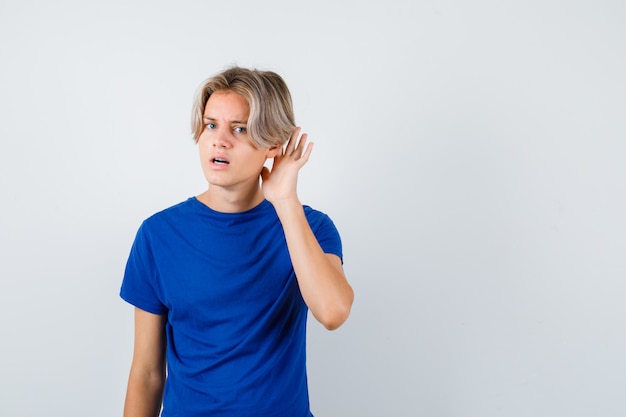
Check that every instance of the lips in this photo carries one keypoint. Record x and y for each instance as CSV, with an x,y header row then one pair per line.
x,y
220,160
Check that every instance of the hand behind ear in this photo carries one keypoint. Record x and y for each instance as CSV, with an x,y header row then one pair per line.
x,y
280,182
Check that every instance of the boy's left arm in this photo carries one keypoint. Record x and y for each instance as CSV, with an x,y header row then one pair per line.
x,y
320,275
321,278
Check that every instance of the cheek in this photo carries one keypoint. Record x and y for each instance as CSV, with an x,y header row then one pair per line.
x,y
260,157
202,139
203,153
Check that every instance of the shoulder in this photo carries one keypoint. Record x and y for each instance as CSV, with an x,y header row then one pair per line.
x,y
317,218
313,214
176,216
324,230
178,208
181,209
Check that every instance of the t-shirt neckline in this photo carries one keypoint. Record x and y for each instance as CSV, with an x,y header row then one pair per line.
x,y
263,205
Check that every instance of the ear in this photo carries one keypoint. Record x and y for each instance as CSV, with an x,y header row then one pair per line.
x,y
272,152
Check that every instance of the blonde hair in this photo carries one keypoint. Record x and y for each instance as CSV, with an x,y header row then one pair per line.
x,y
271,120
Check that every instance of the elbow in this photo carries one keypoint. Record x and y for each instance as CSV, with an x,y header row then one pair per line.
x,y
334,323
336,315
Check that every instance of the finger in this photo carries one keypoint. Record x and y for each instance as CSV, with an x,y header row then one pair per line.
x,y
293,140
307,153
301,145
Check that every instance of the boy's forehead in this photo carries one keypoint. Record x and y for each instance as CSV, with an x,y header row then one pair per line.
x,y
227,104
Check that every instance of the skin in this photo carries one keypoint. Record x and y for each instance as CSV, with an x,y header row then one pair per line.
x,y
234,186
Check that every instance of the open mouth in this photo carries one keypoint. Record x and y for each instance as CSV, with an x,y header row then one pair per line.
x,y
220,161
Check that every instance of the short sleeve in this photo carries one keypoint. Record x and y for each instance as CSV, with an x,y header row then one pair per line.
x,y
140,276
325,232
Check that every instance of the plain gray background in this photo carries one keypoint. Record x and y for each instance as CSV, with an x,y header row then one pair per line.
x,y
471,154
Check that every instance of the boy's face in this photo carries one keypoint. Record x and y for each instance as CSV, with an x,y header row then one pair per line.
x,y
227,156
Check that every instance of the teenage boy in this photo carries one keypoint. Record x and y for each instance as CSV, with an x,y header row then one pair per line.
x,y
222,282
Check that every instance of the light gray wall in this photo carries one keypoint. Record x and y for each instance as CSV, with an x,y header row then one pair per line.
x,y
471,153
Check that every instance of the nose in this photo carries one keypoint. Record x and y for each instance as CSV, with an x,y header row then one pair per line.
x,y
221,139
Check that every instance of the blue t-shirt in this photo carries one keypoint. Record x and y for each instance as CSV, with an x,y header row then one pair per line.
x,y
236,321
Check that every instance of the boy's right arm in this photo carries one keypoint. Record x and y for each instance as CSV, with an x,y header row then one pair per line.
x,y
147,373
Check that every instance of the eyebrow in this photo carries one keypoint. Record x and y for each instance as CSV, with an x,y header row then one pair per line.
x,y
239,122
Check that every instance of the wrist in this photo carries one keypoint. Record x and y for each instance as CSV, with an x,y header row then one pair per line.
x,y
284,206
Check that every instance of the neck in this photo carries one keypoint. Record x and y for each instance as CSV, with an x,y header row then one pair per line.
x,y
226,201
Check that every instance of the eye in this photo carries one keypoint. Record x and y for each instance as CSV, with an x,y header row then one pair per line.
x,y
210,126
241,129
